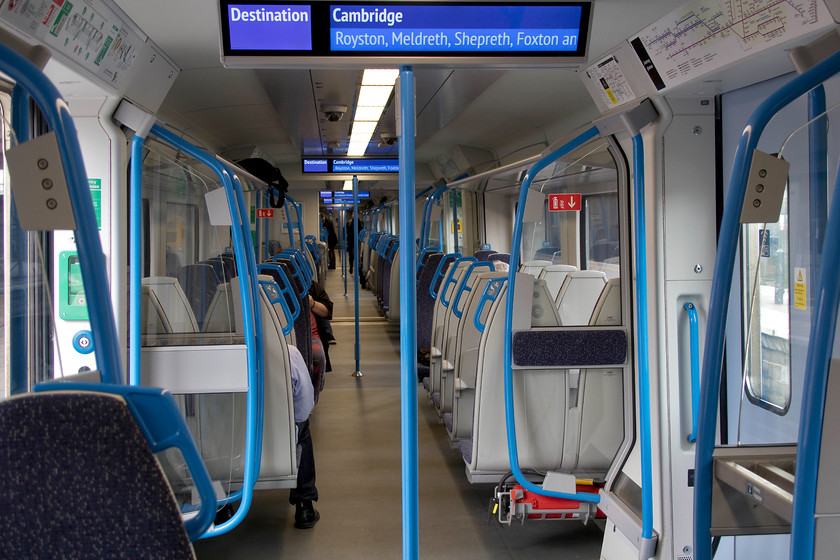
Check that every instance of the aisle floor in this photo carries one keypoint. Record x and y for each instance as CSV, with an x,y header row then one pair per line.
x,y
356,436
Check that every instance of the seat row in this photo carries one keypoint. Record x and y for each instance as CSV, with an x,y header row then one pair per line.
x,y
569,403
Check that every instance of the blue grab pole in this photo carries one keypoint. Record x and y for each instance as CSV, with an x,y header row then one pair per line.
x,y
408,323
815,387
719,300
817,165
510,425
694,343
356,263
344,262
251,313
643,366
135,259
89,245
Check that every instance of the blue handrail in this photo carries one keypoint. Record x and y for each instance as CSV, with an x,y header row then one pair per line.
x,y
513,454
817,166
450,278
281,299
286,289
463,287
408,325
643,365
135,257
719,299
356,347
491,293
694,343
89,246
815,388
297,206
251,314
439,271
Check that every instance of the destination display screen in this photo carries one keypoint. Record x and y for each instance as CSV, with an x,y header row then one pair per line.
x,y
349,194
351,166
437,29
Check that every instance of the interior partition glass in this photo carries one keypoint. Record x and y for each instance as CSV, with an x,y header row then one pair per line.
x,y
188,309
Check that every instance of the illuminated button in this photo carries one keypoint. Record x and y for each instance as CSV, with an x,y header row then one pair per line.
x,y
83,342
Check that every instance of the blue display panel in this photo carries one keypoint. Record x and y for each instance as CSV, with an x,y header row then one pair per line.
x,y
350,166
426,29
325,194
349,194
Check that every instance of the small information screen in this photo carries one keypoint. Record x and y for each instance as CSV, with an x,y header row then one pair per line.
x,y
349,194
351,166
423,29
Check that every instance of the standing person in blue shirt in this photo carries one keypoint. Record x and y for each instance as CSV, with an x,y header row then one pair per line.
x,y
303,396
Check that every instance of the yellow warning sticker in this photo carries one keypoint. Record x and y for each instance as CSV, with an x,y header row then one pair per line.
x,y
800,289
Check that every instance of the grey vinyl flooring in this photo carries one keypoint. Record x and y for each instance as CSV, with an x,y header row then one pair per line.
x,y
356,436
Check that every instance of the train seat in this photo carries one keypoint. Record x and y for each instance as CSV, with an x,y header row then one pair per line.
x,y
199,282
60,456
425,306
174,302
567,419
578,295
554,275
465,292
153,319
220,316
443,308
394,290
484,254
533,267
458,422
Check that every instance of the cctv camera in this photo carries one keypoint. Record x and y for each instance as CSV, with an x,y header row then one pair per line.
x,y
387,139
334,112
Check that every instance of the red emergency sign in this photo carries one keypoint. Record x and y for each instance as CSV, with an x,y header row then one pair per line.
x,y
564,202
265,212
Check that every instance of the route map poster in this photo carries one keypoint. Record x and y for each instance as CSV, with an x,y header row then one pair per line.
x,y
706,35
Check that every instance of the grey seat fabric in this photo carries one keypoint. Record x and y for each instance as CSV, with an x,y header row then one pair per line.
x,y
484,255
86,482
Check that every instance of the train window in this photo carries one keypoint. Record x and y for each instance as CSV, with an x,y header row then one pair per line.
x,y
766,307
182,231
580,219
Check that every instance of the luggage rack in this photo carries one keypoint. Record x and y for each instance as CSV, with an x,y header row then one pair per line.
x,y
753,490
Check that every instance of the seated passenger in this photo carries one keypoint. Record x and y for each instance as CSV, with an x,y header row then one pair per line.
x,y
302,496
320,306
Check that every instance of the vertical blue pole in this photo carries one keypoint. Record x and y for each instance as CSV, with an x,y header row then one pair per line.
x,y
408,324
356,264
344,263
817,165
643,369
136,259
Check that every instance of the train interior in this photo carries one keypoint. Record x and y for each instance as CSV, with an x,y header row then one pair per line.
x,y
590,313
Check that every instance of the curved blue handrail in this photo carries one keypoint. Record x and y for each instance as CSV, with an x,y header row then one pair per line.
x,y
719,301
513,453
281,299
251,314
463,287
694,344
393,250
815,387
642,355
286,289
427,215
439,272
450,278
491,293
89,246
